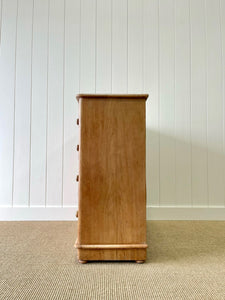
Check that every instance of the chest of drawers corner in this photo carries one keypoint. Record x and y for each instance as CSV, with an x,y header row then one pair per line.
x,y
112,178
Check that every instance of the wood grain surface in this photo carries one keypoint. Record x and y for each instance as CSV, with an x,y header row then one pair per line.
x,y
112,183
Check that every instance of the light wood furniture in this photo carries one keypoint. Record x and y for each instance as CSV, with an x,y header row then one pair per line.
x,y
112,181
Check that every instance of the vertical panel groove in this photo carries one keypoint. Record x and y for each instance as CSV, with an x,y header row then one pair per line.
x,y
182,102
206,85
88,44
127,44
63,106
104,46
159,131
150,81
206,78
142,45
80,46
198,113
96,5
214,105
39,101
47,90
223,84
167,125
111,6
31,82
14,105
71,88
55,101
1,5
190,38
119,46
175,99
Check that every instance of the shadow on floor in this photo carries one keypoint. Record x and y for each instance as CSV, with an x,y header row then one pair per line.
x,y
184,240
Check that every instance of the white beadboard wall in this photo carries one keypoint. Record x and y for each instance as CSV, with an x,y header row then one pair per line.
x,y
50,50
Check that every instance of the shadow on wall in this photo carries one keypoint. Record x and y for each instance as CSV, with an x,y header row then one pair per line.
x,y
184,171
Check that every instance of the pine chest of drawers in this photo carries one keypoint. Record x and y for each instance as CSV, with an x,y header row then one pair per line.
x,y
112,180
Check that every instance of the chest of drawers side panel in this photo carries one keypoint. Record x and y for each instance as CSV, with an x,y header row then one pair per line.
x,y
112,199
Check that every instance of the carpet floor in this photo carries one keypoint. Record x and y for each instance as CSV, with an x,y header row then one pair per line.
x,y
186,260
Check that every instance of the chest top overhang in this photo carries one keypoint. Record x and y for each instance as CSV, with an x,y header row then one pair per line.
x,y
112,96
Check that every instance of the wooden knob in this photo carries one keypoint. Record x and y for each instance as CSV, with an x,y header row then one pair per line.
x,y
77,214
78,121
77,178
78,147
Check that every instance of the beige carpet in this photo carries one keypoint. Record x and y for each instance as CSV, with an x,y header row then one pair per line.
x,y
186,260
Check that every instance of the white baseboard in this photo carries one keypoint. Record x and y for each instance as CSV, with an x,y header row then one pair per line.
x,y
153,213
38,213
